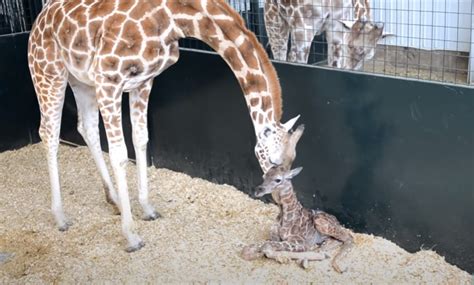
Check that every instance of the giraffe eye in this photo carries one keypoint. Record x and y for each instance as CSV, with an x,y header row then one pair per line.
x,y
267,132
278,180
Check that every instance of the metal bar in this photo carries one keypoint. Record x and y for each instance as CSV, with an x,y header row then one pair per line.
x,y
471,53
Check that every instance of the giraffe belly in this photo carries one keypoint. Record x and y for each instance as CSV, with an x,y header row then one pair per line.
x,y
136,82
83,77
152,70
317,239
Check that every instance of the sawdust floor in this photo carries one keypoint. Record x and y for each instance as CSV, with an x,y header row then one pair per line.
x,y
198,240
414,71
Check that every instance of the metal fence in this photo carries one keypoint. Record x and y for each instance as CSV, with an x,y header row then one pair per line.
x,y
421,39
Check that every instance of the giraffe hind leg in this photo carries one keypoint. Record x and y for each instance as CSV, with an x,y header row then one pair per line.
x,y
50,83
88,127
328,225
138,114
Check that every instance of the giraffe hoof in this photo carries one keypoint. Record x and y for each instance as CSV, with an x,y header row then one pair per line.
x,y
304,263
136,247
153,216
115,210
64,227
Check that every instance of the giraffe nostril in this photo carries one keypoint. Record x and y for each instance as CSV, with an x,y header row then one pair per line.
x,y
258,191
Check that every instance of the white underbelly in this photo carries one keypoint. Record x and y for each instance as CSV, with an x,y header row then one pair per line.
x,y
137,81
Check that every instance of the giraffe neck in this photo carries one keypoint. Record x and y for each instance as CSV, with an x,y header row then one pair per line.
x,y
218,25
289,203
361,10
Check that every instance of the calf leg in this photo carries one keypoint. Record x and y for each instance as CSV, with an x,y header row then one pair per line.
x,y
328,225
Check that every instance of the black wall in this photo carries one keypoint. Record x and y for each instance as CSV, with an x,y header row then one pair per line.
x,y
19,113
390,157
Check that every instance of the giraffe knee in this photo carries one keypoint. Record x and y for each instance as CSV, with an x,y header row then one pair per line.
x,y
88,133
46,133
42,133
140,138
81,129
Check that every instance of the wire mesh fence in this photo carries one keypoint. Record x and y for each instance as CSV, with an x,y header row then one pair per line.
x,y
421,39
18,15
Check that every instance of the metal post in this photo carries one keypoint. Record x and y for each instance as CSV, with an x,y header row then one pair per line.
x,y
471,52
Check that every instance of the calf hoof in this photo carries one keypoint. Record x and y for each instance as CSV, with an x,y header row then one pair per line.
x,y
251,253
338,269
153,216
304,263
65,226
135,247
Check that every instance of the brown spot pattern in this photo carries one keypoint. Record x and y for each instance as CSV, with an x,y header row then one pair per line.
x,y
254,102
230,55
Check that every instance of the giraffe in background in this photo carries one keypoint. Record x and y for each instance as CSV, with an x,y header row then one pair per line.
x,y
103,48
349,42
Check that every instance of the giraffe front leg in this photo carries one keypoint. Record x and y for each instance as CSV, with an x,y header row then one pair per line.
x,y
278,31
274,232
335,39
285,251
138,113
109,101
252,252
277,250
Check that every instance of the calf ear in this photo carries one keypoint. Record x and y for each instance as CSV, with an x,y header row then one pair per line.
x,y
292,173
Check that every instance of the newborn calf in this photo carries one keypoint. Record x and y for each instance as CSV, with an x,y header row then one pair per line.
x,y
298,230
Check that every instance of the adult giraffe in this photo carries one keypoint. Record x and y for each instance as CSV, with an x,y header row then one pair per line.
x,y
103,48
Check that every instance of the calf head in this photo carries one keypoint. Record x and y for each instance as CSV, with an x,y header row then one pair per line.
x,y
276,179
279,176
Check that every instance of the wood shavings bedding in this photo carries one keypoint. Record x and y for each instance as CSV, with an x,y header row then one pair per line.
x,y
199,238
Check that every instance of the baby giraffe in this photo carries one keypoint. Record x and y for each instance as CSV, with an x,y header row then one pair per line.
x,y
298,230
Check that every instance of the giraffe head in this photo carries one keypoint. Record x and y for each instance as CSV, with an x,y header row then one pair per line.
x,y
276,144
278,178
360,41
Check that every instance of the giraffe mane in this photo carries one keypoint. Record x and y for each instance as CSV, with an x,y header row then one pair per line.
x,y
266,64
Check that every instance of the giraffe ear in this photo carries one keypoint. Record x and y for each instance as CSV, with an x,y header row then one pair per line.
x,y
387,35
296,135
347,24
292,173
288,125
